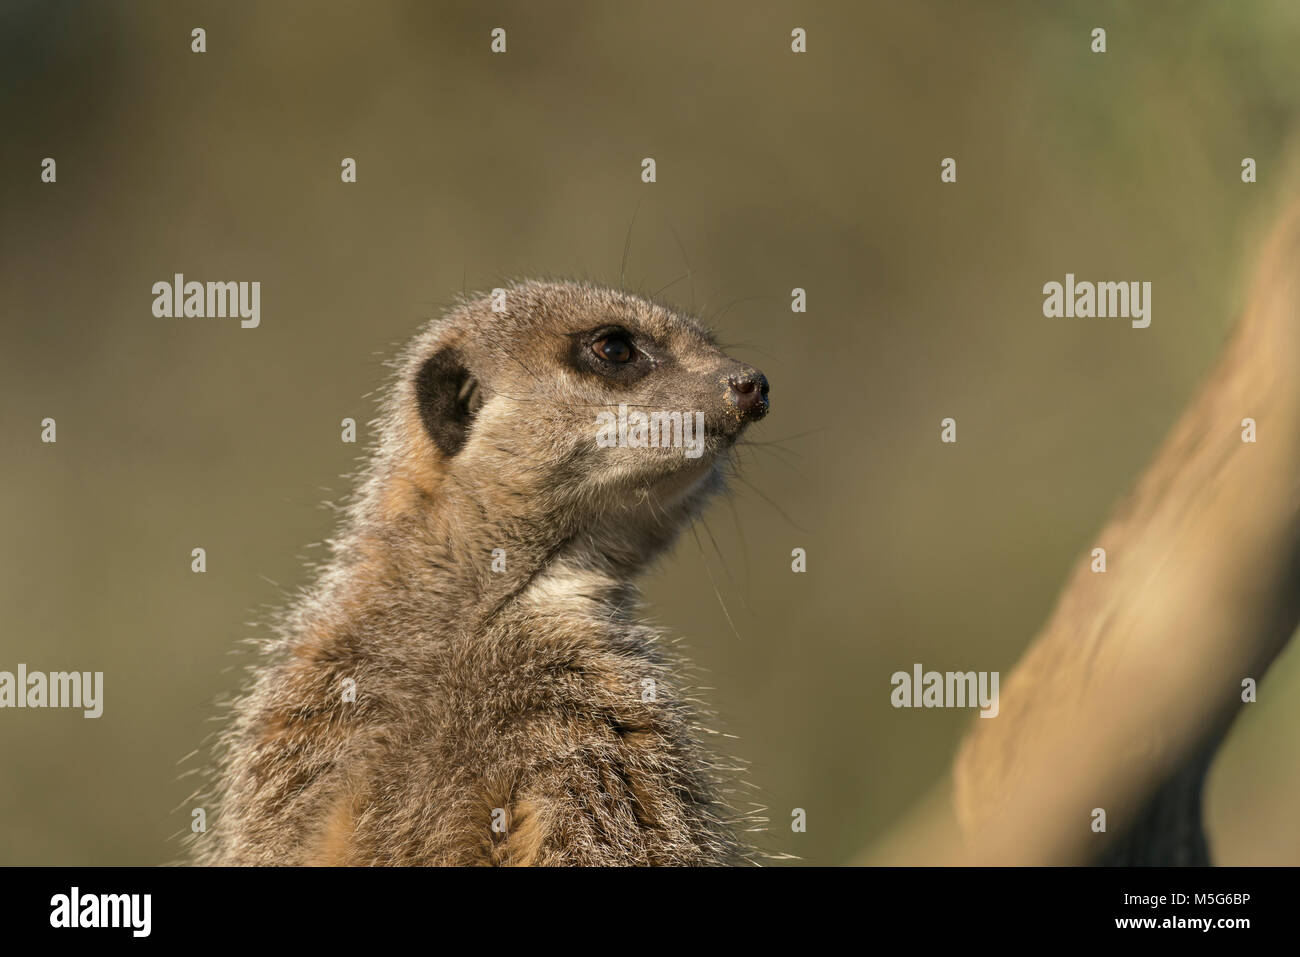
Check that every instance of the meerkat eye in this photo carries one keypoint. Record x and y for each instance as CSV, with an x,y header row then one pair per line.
x,y
610,353
615,347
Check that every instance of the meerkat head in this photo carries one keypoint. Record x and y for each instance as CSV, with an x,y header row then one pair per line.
x,y
572,401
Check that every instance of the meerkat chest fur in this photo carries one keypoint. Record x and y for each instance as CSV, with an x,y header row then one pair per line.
x,y
468,681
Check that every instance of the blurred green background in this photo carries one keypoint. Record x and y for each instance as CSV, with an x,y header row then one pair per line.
x,y
775,170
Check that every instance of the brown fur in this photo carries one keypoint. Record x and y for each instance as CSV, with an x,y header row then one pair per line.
x,y
480,690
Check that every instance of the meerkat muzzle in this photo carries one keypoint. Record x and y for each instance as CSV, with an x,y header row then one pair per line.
x,y
747,390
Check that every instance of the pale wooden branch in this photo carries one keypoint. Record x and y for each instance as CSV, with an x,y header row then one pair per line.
x,y
1121,700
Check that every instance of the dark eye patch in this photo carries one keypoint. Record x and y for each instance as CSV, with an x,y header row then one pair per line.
x,y
610,352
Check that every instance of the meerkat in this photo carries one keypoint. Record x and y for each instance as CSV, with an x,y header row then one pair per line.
x,y
468,681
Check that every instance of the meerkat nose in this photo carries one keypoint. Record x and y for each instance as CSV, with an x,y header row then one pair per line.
x,y
749,392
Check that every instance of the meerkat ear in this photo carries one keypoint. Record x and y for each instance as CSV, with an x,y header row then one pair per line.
x,y
448,396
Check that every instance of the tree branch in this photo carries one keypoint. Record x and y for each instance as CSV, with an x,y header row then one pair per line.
x,y
1121,700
